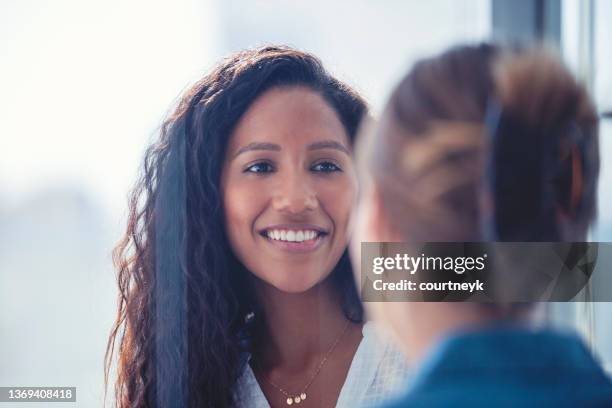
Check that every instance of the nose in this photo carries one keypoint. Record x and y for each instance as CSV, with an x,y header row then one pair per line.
x,y
295,196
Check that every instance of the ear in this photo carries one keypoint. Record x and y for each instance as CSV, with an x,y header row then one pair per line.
x,y
567,213
576,190
380,223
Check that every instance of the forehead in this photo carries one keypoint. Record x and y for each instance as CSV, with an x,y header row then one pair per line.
x,y
289,115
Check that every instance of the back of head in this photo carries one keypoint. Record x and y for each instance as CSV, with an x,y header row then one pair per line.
x,y
485,143
479,144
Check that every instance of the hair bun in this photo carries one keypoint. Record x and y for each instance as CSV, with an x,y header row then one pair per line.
x,y
541,122
540,91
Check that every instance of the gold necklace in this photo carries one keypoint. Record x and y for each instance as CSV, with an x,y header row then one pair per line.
x,y
297,398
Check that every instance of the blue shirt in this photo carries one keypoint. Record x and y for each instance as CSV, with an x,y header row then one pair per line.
x,y
509,367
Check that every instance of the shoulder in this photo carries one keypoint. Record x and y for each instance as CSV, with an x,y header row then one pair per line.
x,y
247,392
511,366
378,372
393,371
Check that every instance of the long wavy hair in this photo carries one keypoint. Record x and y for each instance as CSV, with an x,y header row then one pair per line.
x,y
179,333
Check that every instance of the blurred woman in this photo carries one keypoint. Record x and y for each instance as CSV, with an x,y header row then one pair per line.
x,y
519,119
235,284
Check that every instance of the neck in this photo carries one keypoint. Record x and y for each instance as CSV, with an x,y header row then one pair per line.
x,y
299,327
432,322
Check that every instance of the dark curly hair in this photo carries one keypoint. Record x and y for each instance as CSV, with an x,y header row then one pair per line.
x,y
183,294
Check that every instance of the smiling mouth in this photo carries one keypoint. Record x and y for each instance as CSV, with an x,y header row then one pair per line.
x,y
294,240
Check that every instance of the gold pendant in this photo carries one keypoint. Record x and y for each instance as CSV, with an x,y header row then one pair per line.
x,y
297,399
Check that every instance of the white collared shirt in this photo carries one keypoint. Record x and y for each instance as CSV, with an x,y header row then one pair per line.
x,y
377,373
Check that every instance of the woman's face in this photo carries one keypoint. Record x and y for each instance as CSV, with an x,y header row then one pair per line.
x,y
288,185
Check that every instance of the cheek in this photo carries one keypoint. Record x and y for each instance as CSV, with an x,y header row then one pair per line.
x,y
240,206
338,200
356,238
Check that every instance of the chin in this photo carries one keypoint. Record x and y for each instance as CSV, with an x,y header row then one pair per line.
x,y
295,282
296,286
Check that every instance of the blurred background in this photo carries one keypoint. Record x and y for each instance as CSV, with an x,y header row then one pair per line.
x,y
85,84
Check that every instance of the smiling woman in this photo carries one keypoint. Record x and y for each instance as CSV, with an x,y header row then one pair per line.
x,y
235,284
288,187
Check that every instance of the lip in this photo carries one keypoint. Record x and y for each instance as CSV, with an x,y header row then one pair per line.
x,y
296,247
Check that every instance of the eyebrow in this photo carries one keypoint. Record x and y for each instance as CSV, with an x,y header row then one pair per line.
x,y
327,144
258,146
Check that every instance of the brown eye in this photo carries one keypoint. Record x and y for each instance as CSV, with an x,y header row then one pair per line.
x,y
261,167
326,167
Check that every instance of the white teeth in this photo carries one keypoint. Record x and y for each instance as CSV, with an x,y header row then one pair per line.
x,y
292,235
